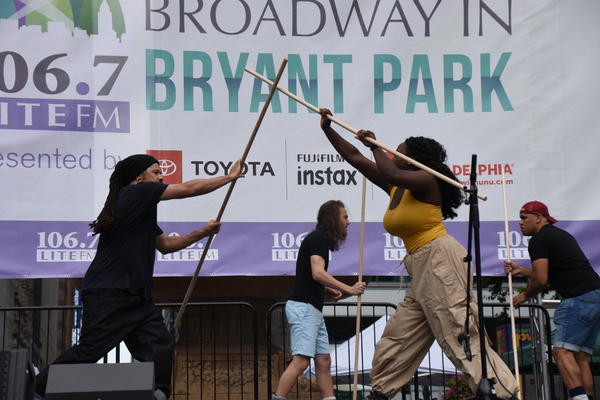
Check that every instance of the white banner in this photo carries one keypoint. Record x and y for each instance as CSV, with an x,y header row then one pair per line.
x,y
515,83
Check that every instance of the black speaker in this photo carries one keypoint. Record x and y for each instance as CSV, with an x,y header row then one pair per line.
x,y
126,381
17,377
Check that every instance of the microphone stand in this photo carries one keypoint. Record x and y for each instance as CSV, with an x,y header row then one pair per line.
x,y
485,390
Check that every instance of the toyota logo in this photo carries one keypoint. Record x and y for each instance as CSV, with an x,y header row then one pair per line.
x,y
167,167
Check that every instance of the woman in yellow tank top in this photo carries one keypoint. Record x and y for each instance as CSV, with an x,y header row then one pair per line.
x,y
434,307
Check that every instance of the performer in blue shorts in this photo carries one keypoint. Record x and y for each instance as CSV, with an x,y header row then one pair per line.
x,y
304,309
557,258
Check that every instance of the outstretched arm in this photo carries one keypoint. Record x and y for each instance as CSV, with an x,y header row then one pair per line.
x,y
169,244
197,187
351,154
399,172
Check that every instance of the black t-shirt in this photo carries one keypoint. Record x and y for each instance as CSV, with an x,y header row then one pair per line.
x,y
569,271
125,258
306,289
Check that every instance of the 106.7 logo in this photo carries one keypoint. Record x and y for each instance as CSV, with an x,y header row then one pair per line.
x,y
79,247
286,246
42,73
72,247
59,114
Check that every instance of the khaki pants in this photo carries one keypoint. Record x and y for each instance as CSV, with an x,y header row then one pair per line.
x,y
434,308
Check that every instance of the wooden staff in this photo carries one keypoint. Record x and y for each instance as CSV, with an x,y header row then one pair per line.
x,y
370,140
361,251
510,286
228,195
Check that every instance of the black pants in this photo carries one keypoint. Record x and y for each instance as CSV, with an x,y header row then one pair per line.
x,y
111,316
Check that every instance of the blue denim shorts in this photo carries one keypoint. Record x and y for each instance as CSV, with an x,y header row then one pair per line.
x,y
577,321
308,331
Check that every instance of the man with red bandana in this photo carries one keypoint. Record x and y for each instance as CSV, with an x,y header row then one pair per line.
x,y
556,258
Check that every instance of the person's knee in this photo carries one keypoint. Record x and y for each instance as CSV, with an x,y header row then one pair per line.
x,y
323,361
563,355
304,364
583,362
300,363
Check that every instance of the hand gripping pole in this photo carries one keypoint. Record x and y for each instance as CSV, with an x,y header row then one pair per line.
x,y
370,140
228,195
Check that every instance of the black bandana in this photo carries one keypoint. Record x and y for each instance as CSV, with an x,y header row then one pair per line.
x,y
128,169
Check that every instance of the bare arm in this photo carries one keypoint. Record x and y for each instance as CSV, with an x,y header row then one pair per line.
x,y
317,265
197,187
351,154
332,294
539,279
399,172
413,180
169,244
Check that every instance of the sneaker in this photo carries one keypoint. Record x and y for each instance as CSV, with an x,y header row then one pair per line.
x,y
159,395
275,397
376,396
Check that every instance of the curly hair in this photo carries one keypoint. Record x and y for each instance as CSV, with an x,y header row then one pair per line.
x,y
432,154
328,222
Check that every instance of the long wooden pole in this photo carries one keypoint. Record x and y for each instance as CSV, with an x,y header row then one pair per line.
x,y
228,195
510,286
361,252
370,140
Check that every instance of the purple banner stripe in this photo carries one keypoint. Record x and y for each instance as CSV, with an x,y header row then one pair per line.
x,y
64,115
58,249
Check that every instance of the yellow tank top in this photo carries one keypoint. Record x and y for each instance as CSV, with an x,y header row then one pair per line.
x,y
416,223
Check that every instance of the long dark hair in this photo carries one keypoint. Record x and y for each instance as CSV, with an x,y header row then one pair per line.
x,y
106,222
125,171
432,154
328,222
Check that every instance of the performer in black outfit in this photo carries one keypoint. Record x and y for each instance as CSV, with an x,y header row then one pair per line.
x,y
557,258
116,290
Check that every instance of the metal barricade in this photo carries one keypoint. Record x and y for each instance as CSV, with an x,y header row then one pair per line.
x,y
220,353
216,349
429,382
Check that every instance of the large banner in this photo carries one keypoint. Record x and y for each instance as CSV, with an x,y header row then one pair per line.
x,y
85,83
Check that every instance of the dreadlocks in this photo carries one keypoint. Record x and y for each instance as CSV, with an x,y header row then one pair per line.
x,y
125,172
